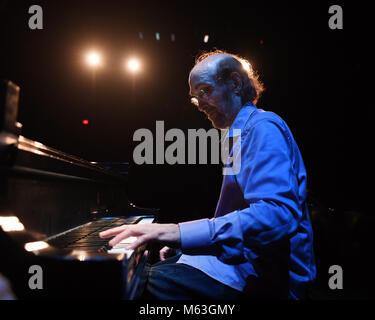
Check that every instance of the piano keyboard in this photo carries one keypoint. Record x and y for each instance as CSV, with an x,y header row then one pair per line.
x,y
86,237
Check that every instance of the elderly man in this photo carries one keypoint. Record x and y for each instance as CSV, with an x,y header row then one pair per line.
x,y
259,243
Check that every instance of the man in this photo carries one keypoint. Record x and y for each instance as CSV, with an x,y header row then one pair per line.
x,y
259,244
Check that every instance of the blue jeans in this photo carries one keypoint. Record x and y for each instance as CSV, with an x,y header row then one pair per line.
x,y
168,280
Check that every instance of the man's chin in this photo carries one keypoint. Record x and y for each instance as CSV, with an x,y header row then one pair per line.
x,y
218,124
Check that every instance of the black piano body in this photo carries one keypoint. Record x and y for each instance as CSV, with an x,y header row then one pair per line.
x,y
63,201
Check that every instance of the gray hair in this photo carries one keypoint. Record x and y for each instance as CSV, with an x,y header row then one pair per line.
x,y
252,88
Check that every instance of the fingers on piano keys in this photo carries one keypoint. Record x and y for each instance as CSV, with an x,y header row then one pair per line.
x,y
121,246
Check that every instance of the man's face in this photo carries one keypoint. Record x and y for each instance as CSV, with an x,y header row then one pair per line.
x,y
214,99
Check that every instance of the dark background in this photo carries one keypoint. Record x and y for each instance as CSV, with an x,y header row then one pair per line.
x,y
315,79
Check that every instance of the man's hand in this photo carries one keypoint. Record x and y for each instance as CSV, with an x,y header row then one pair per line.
x,y
166,253
168,234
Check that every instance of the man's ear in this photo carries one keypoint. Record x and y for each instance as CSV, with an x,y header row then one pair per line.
x,y
237,82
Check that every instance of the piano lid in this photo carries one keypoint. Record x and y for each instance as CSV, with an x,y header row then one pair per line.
x,y
20,154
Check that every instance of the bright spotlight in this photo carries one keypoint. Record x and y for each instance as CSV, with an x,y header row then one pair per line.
x,y
94,59
134,65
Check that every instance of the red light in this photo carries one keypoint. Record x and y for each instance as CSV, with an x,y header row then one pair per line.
x,y
85,122
261,42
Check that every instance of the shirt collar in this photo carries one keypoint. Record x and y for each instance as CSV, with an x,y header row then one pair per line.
x,y
240,121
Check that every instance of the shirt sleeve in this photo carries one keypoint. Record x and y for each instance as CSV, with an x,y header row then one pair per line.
x,y
270,189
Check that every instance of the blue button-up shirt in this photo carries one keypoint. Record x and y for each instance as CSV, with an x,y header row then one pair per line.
x,y
261,204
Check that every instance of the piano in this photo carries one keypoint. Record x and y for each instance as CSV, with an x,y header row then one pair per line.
x,y
52,207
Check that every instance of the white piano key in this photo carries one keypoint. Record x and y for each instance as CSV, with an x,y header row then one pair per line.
x,y
120,245
128,253
128,240
146,220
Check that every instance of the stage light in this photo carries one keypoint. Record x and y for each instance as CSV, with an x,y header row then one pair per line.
x,y
35,246
157,36
134,65
85,122
205,39
93,59
11,223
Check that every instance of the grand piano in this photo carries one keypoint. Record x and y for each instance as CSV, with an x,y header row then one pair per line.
x,y
52,207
